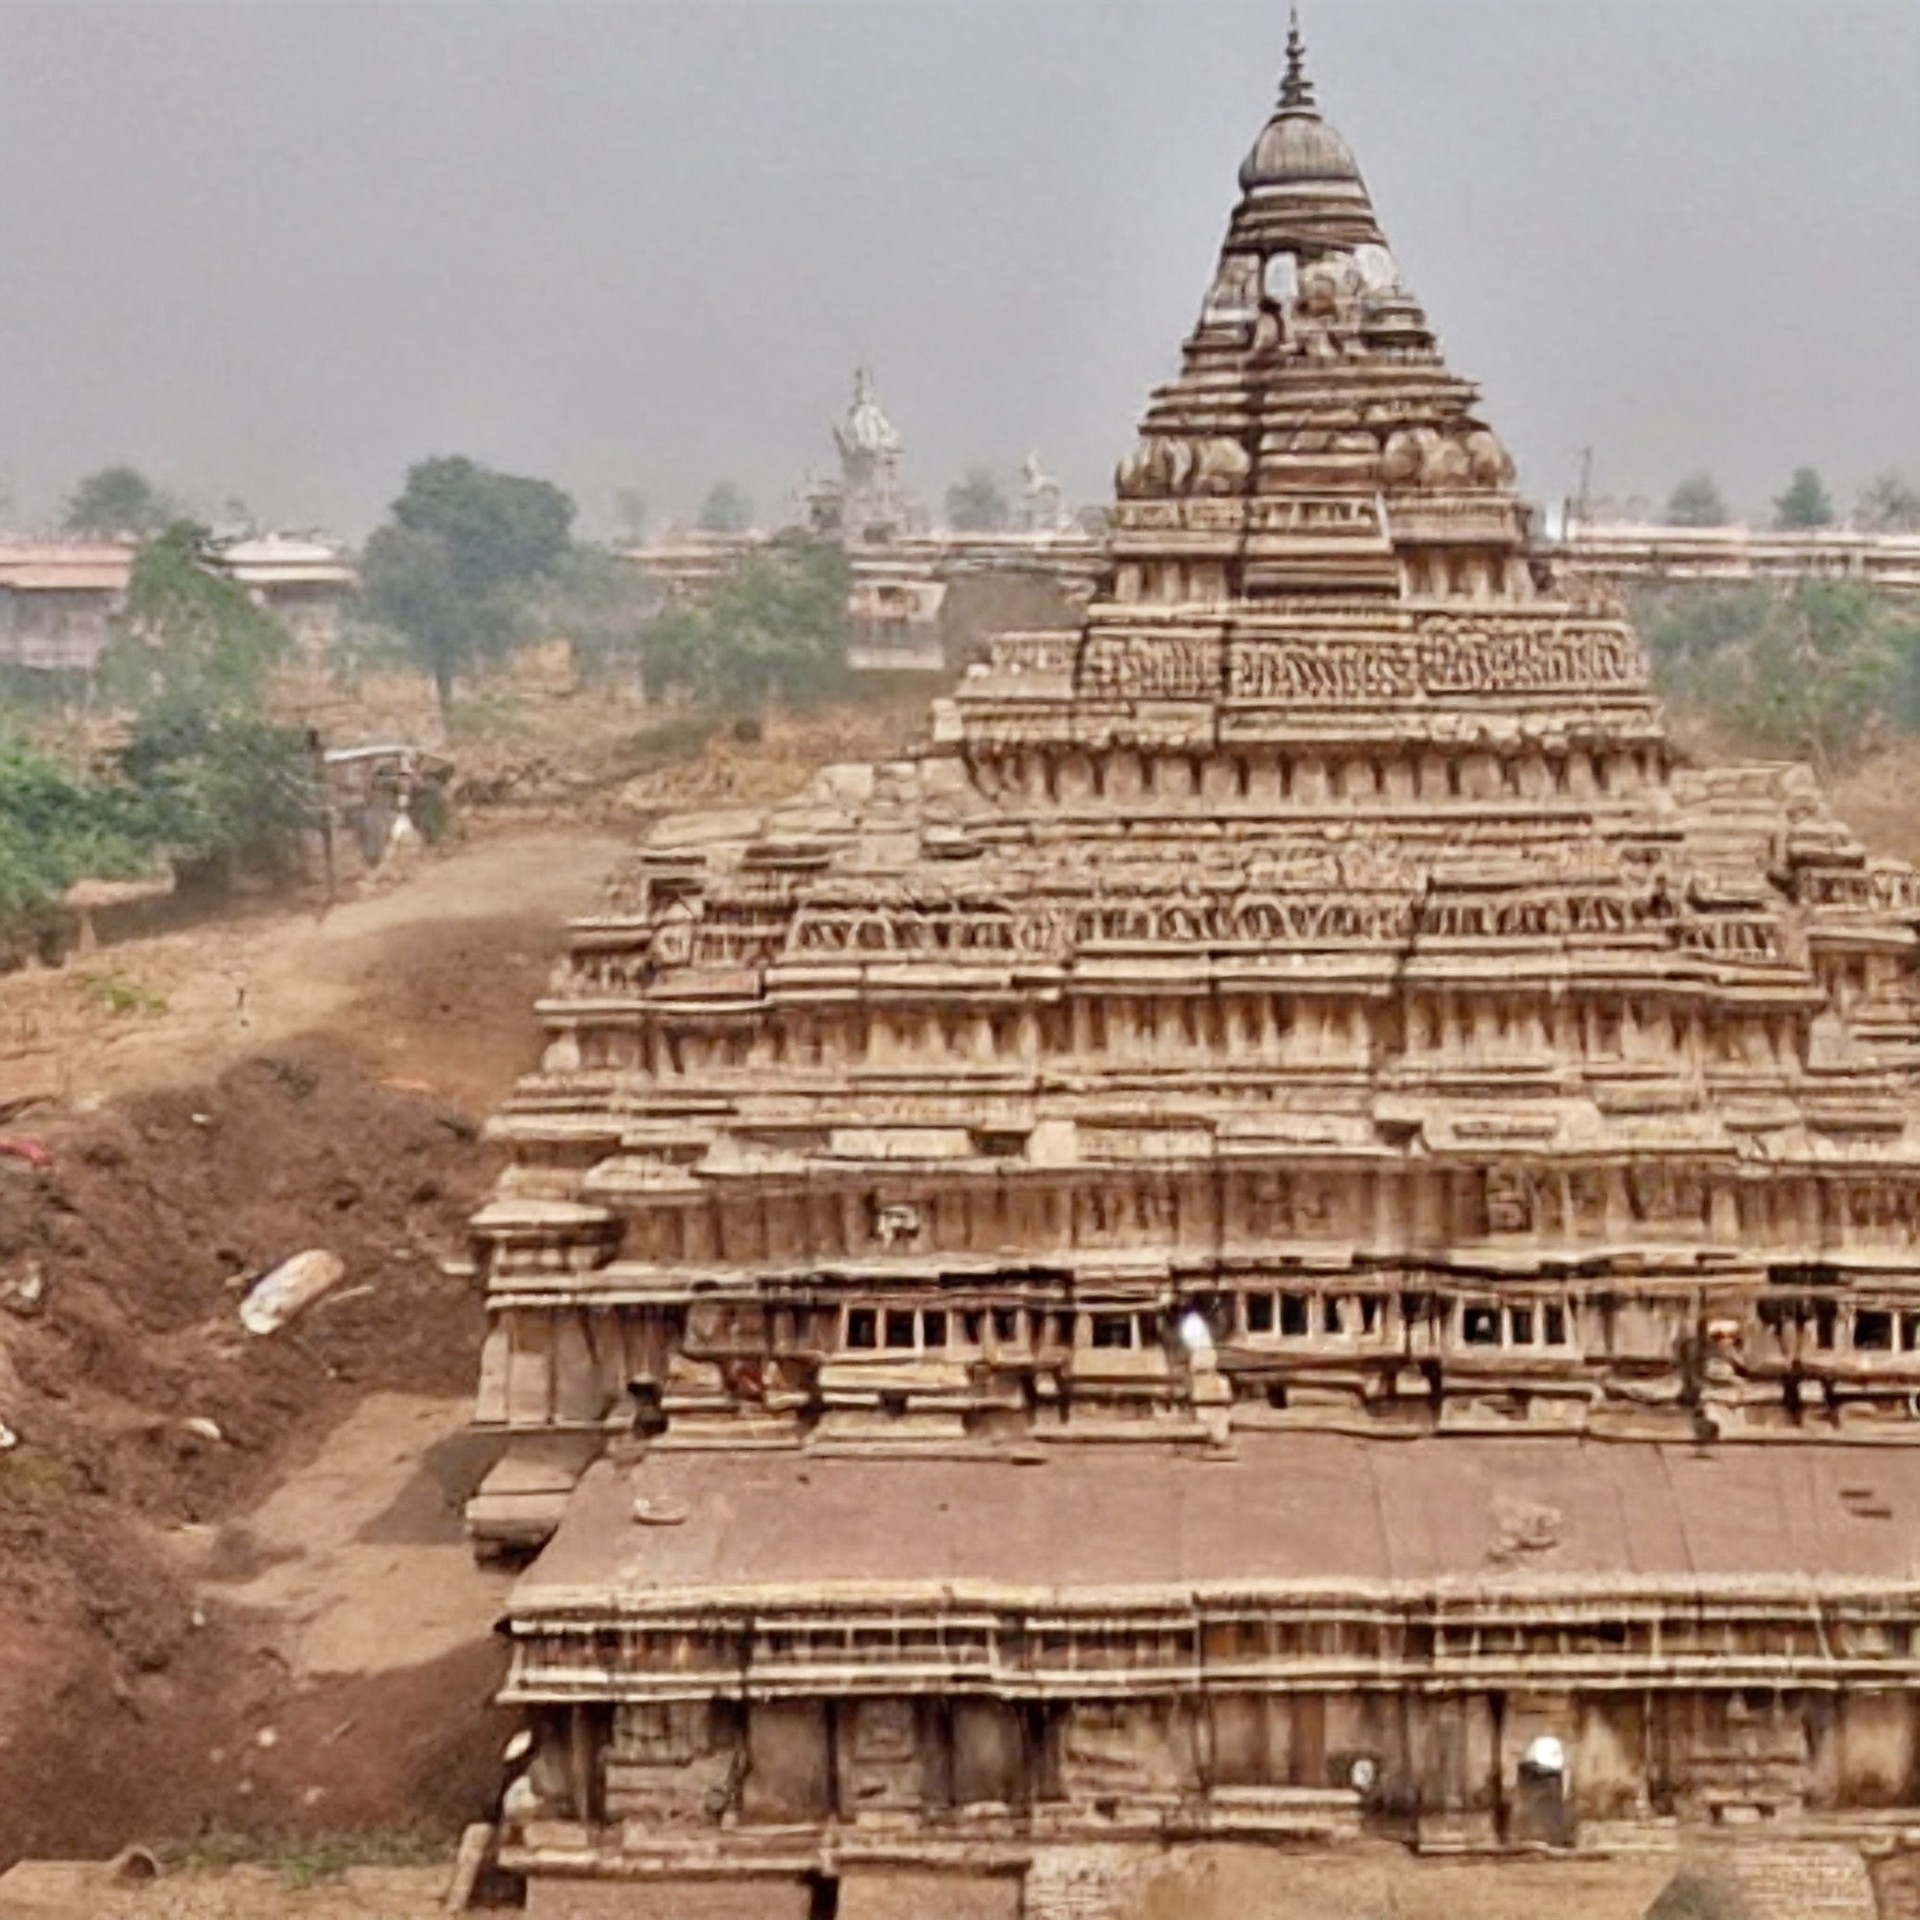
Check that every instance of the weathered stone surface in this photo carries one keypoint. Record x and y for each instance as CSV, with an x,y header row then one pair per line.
x,y
664,1899
1302,1011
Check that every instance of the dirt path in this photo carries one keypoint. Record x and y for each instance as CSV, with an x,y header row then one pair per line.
x,y
359,1557
50,1891
430,978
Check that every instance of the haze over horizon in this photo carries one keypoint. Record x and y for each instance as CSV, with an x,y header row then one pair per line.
x,y
281,249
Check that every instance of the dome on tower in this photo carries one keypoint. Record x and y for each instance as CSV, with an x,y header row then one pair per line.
x,y
1301,184
1297,148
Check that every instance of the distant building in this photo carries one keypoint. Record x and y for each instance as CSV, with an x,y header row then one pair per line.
x,y
58,598
303,580
1624,550
57,601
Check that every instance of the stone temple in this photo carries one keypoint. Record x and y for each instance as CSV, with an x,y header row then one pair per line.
x,y
1291,1235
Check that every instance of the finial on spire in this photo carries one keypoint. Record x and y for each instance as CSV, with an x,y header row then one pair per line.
x,y
1296,90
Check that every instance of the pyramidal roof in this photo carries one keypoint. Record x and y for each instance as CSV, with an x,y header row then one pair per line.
x,y
1315,461
1313,375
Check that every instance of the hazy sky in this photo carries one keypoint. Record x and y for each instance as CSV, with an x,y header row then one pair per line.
x,y
281,249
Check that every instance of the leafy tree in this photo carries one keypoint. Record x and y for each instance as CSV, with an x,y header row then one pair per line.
x,y
1889,503
601,605
1697,502
408,582
776,630
462,543
189,637
1805,504
56,828
976,503
726,509
118,500
221,789
1696,1896
499,528
208,778
1809,668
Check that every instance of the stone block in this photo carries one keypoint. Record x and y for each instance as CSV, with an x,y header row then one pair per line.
x,y
679,1898
900,1893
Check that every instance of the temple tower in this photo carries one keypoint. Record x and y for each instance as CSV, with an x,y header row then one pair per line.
x,y
983,1236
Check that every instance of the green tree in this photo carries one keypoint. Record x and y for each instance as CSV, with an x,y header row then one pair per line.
x,y
56,828
1805,504
211,780
221,790
116,501
408,583
1889,503
726,509
463,545
1697,502
499,528
601,605
1811,668
777,630
188,637
976,502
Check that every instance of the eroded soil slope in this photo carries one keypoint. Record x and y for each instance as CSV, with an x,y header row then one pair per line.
x,y
175,1526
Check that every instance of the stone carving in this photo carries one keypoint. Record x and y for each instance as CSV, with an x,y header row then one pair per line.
x,y
1169,464
1142,667
1461,656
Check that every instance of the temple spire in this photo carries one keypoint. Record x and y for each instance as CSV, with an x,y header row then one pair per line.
x,y
1296,90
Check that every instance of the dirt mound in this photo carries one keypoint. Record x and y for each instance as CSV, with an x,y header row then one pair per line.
x,y
144,1234
131,1706
772,759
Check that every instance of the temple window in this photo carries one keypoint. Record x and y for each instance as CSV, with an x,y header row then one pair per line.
x,y
1006,1325
1280,277
933,1328
1480,1326
1824,1319
1873,1331
863,1328
1113,1330
1520,1326
1293,1316
1909,1332
1556,1326
1331,1317
1259,1313
899,1328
